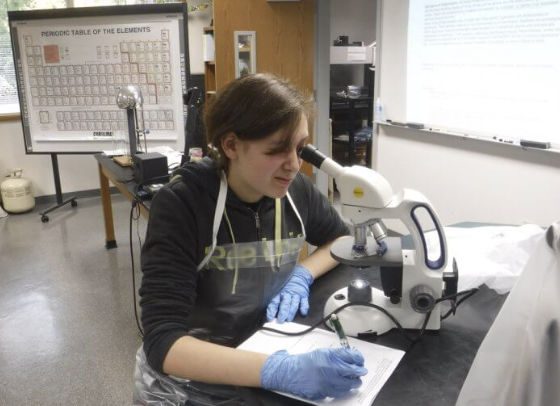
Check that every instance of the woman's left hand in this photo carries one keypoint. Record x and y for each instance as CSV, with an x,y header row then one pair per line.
x,y
293,296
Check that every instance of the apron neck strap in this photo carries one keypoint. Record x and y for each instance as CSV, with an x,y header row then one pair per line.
x,y
297,213
278,219
220,208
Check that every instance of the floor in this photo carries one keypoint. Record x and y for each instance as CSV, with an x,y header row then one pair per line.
x,y
68,335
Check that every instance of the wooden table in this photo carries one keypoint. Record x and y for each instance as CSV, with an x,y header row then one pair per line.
x,y
122,179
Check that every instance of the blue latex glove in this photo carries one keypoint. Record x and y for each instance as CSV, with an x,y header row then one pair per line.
x,y
293,296
322,373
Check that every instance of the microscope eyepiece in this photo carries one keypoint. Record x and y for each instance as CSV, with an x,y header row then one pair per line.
x,y
313,156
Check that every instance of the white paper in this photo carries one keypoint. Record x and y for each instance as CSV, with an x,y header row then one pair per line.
x,y
115,152
173,156
380,361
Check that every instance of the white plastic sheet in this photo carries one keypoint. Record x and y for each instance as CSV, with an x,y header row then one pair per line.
x,y
494,256
518,363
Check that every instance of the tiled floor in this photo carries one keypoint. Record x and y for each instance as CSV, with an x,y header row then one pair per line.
x,y
67,330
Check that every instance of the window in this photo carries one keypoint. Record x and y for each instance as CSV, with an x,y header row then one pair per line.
x,y
8,90
9,102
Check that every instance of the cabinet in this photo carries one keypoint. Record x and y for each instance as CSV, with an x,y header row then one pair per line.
x,y
209,65
348,116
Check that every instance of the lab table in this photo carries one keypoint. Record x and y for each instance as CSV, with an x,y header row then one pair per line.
x,y
433,370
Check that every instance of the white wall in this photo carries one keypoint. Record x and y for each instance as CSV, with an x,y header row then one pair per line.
x,y
354,18
465,180
79,172
197,21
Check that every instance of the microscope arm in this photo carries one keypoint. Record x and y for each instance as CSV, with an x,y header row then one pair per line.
x,y
362,190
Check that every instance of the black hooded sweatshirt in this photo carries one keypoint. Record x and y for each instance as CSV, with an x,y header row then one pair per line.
x,y
180,229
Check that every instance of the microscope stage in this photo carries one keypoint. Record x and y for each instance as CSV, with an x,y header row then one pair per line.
x,y
343,251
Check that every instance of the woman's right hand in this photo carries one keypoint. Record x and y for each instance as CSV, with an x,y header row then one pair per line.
x,y
322,373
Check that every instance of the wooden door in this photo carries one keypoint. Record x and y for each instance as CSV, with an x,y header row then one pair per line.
x,y
284,41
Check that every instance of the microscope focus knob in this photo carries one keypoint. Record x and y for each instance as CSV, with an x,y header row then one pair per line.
x,y
422,299
359,290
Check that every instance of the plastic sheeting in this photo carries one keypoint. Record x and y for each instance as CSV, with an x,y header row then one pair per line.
x,y
518,363
494,256
154,389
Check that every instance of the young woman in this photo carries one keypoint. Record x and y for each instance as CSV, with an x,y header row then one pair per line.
x,y
221,255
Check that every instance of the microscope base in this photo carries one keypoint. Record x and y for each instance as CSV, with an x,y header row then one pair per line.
x,y
361,319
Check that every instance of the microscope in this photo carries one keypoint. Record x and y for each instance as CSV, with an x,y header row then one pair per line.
x,y
412,279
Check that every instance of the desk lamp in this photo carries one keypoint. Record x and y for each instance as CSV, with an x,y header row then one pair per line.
x,y
130,98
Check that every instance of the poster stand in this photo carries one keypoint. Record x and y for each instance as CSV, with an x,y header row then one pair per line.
x,y
59,201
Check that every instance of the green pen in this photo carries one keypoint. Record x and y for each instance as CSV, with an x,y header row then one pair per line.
x,y
339,331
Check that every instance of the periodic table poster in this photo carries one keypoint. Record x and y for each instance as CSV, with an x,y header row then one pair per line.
x,y
71,64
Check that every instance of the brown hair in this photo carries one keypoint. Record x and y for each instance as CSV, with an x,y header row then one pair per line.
x,y
254,107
